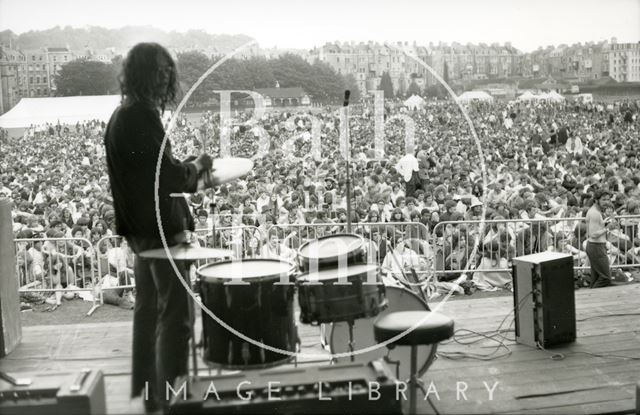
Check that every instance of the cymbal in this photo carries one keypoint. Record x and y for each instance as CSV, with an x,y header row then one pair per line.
x,y
187,252
225,170
231,168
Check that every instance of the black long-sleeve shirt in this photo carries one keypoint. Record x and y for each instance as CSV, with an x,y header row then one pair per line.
x,y
132,140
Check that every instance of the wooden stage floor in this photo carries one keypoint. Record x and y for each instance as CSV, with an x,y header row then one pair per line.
x,y
529,380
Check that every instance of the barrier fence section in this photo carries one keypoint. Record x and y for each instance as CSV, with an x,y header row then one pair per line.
x,y
502,240
72,266
380,239
116,279
64,267
115,259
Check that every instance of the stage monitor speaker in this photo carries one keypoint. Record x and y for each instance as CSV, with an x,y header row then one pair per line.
x,y
10,328
544,299
71,393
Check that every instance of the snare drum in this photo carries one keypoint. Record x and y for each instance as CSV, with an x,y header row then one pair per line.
x,y
331,251
259,309
399,299
344,294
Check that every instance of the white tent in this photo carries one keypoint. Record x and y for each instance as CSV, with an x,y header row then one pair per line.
x,y
470,96
63,110
414,102
554,96
527,96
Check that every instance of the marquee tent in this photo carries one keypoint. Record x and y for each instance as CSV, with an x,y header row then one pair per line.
x,y
64,110
554,96
414,102
527,96
470,96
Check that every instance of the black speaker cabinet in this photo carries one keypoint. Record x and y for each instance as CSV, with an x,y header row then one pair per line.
x,y
544,299
10,326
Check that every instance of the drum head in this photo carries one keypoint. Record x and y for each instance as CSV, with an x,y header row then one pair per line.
x,y
248,269
398,299
328,247
346,272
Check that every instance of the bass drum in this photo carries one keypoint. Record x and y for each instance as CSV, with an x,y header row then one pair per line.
x,y
398,299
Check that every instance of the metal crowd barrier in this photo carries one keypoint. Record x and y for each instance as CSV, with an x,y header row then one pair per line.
x,y
73,265
116,279
233,219
59,266
116,260
502,240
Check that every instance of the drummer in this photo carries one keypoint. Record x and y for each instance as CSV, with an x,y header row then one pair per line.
x,y
133,139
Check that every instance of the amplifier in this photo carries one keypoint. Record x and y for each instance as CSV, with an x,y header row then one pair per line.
x,y
367,388
544,299
59,393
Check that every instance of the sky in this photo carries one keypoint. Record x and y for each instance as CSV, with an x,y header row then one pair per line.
x,y
304,24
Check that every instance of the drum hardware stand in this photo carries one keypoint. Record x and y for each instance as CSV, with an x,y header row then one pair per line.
x,y
396,363
298,350
207,179
191,305
192,319
347,93
351,342
323,337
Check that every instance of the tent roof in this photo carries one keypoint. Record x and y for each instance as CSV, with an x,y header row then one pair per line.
x,y
471,95
527,95
65,110
551,96
414,100
555,96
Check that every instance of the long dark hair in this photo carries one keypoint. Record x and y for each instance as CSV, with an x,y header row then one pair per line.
x,y
139,77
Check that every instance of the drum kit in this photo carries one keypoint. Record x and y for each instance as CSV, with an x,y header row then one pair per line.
x,y
334,281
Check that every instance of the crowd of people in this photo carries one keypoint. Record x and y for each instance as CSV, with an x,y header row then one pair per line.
x,y
537,161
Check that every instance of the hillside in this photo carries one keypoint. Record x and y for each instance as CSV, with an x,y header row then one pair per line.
x,y
100,38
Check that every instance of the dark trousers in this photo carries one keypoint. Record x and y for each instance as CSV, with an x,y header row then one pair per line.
x,y
161,327
599,261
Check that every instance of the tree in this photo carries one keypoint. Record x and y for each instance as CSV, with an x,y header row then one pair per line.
x,y
402,86
191,66
352,85
260,73
386,85
437,91
319,80
445,72
84,77
413,89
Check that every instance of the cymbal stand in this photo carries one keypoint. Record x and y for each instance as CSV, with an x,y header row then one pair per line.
x,y
351,342
192,320
191,306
